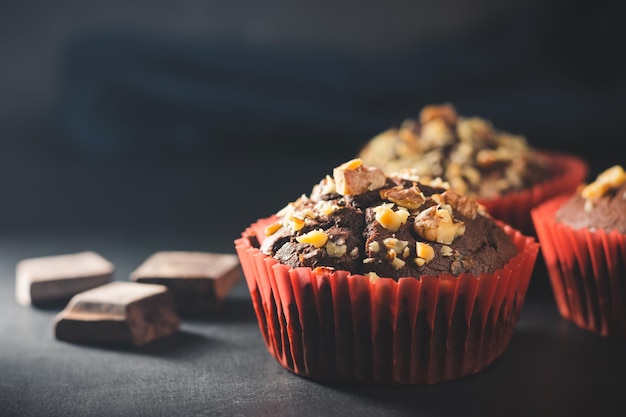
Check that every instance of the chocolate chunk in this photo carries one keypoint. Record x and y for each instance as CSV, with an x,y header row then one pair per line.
x,y
54,279
199,281
119,313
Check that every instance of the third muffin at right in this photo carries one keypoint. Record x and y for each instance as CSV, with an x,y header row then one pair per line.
x,y
583,242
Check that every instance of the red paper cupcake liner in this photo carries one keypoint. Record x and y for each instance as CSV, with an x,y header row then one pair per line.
x,y
514,208
587,270
334,326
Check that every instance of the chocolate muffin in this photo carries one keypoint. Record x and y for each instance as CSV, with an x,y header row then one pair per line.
x,y
583,240
500,169
385,280
390,226
477,159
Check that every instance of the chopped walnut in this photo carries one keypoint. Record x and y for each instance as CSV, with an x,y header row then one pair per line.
x,y
335,250
424,251
474,130
437,225
446,250
446,112
409,174
397,263
436,133
326,207
316,237
488,157
472,174
389,219
353,178
408,140
272,228
410,198
328,185
459,184
394,244
467,206
296,222
438,182
610,178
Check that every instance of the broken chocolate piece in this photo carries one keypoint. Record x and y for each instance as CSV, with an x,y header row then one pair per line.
x,y
199,281
119,313
54,279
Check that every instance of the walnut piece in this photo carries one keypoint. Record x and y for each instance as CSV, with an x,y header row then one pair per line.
x,y
446,250
353,178
610,178
446,112
334,250
317,238
397,263
424,251
389,219
410,198
467,206
437,225
272,228
398,246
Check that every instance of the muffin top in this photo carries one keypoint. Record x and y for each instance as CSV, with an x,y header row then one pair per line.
x,y
600,205
476,159
366,222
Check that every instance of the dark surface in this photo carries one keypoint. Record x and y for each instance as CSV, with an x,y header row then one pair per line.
x,y
219,366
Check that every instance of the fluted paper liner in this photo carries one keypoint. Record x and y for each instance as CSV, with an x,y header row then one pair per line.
x,y
587,270
514,208
335,326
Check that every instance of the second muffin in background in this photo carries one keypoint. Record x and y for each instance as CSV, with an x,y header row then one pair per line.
x,y
501,170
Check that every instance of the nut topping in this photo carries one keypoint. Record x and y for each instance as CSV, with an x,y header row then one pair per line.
x,y
437,225
353,178
397,263
610,178
389,219
374,246
334,250
398,246
316,237
272,228
424,251
465,151
446,251
468,207
446,112
410,198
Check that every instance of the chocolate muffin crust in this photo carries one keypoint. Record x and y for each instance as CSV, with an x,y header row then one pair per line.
x,y
365,222
477,159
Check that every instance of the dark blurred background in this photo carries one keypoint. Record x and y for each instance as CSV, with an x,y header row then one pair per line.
x,y
196,117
